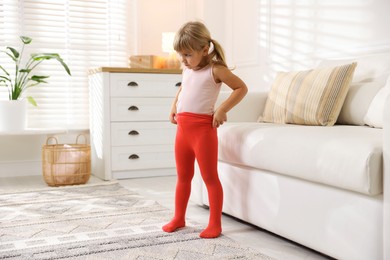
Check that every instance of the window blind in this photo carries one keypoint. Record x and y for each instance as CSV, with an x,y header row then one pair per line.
x,y
86,33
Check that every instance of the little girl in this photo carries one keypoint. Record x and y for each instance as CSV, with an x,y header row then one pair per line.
x,y
193,111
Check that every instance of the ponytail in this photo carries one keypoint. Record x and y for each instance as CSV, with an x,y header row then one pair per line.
x,y
216,53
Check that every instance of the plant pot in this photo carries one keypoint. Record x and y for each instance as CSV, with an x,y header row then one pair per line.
x,y
13,115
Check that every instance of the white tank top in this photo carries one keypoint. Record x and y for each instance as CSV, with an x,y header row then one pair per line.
x,y
199,91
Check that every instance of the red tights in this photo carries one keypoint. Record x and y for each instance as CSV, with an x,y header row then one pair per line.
x,y
196,138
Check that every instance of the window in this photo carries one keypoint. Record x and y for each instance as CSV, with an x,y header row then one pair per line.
x,y
296,34
86,33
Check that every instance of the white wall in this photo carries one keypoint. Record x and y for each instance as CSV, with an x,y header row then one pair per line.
x,y
21,155
296,34
261,37
152,18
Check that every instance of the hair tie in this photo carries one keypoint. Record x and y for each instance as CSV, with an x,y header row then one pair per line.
x,y
211,49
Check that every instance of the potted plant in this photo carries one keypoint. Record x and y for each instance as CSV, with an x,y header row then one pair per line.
x,y
19,81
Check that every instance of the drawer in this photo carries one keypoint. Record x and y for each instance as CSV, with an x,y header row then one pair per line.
x,y
144,85
153,133
140,109
142,157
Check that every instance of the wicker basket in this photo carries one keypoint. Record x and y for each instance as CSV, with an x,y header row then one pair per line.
x,y
66,164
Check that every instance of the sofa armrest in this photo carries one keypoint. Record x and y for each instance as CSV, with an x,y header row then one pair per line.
x,y
386,180
248,110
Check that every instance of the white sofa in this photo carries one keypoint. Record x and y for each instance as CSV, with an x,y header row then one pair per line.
x,y
327,188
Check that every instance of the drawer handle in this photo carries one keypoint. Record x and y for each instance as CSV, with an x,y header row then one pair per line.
x,y
133,108
133,132
132,84
178,84
133,157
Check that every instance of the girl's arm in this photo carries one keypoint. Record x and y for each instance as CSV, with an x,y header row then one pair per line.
x,y
223,74
172,115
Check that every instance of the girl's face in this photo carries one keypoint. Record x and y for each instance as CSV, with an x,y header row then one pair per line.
x,y
194,59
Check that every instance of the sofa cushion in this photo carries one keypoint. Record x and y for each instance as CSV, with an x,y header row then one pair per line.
x,y
370,75
312,97
358,101
347,157
374,116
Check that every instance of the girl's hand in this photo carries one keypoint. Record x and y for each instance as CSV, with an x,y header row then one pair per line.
x,y
219,118
172,116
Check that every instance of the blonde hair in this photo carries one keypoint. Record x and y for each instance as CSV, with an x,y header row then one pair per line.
x,y
194,36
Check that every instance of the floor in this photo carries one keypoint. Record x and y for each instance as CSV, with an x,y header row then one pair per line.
x,y
161,189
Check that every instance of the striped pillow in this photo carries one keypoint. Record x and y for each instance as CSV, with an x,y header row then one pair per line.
x,y
312,97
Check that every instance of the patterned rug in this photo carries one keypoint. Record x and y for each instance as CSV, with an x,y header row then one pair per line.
x,y
101,221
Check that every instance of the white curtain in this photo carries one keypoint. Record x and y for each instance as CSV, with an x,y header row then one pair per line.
x,y
86,33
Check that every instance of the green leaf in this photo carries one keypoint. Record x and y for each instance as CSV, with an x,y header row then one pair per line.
x,y
44,56
25,70
65,66
32,101
49,56
25,39
5,78
4,70
14,52
39,79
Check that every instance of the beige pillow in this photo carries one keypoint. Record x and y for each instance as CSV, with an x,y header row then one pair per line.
x,y
312,97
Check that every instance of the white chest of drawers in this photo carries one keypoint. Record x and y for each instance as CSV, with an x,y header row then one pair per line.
x,y
131,135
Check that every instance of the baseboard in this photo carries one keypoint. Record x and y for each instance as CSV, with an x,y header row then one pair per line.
x,y
20,168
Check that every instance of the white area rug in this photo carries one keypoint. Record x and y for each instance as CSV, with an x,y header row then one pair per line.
x,y
102,221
